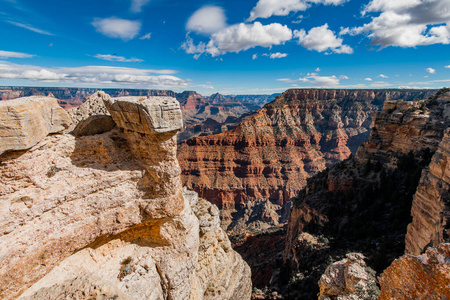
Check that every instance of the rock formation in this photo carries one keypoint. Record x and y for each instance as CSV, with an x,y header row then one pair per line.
x,y
431,204
426,276
270,155
348,279
26,121
105,216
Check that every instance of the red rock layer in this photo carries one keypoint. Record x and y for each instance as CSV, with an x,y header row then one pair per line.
x,y
418,277
270,155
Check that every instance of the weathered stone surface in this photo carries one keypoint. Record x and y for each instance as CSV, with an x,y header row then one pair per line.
x,y
431,203
94,125
348,279
426,276
26,121
109,206
92,105
146,115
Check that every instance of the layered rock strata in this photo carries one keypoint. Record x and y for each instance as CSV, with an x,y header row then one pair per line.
x,y
105,215
26,121
270,156
426,276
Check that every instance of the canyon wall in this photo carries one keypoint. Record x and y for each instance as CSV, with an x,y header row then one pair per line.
x,y
105,216
365,203
270,155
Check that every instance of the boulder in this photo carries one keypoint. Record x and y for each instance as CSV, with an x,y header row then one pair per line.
x,y
24,122
147,115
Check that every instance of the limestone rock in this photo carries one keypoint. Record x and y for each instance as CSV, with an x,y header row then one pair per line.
x,y
26,121
92,105
94,125
146,115
431,203
104,216
426,276
348,279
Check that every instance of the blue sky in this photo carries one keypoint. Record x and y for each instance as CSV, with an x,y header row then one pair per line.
x,y
231,47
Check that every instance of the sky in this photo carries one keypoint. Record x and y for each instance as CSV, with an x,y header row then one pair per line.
x,y
226,46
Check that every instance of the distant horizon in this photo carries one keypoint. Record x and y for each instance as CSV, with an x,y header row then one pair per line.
x,y
209,95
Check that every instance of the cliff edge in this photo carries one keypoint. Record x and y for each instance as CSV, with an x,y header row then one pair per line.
x,y
105,215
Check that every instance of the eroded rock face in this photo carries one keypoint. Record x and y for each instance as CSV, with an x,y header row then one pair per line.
x,y
431,204
109,206
26,121
348,279
146,115
92,106
426,276
271,155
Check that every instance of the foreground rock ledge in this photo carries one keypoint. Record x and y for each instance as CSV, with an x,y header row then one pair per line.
x,y
106,216
26,121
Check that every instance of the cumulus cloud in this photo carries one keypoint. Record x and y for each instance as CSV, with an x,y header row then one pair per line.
x,y
406,23
368,79
317,70
321,39
240,37
110,57
315,80
431,70
11,54
136,5
207,20
448,66
254,56
96,75
268,8
278,55
117,28
343,77
29,27
382,76
146,36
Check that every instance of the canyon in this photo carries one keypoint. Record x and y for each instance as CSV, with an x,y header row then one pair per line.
x,y
105,216
388,202
257,167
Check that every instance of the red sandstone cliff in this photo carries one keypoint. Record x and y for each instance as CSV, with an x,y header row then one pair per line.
x,y
270,155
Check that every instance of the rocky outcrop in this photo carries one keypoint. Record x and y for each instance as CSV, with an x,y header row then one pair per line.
x,y
348,279
110,206
430,210
94,125
26,121
270,155
426,276
92,106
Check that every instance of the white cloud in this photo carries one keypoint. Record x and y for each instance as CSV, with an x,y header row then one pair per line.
x,y
146,36
321,39
117,28
317,70
110,57
268,8
343,77
285,80
136,5
406,23
254,56
448,66
240,37
383,76
207,20
431,70
368,79
8,54
315,80
278,55
94,75
380,84
31,28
